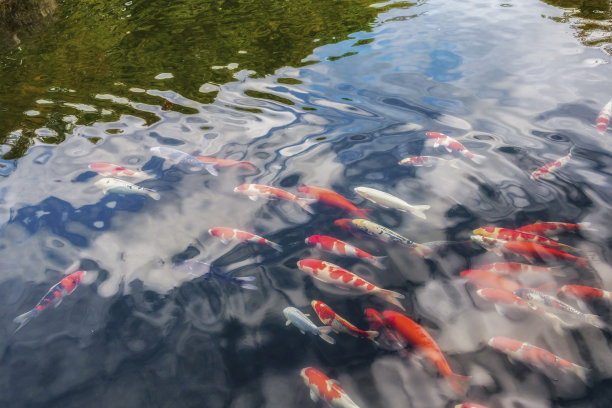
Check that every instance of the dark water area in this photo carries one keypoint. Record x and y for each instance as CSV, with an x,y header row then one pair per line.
x,y
313,93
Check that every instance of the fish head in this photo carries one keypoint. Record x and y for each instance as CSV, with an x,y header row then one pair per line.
x,y
305,374
374,318
241,188
484,231
525,293
214,231
504,344
324,312
313,240
435,135
344,223
310,266
287,312
486,242
78,276
304,189
496,295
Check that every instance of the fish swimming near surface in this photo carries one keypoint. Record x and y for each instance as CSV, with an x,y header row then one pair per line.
x,y
199,268
305,325
338,247
536,356
184,160
53,297
425,345
546,171
505,301
324,388
585,292
603,119
424,161
255,191
112,170
451,145
515,268
333,199
548,229
339,324
114,185
232,234
218,163
387,200
333,274
507,234
487,279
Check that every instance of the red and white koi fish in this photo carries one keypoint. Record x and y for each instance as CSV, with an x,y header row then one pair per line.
x,y
486,279
54,297
420,161
506,234
112,170
232,234
504,300
254,191
333,199
340,325
469,405
536,356
546,171
603,119
227,163
388,338
585,292
515,268
338,247
329,273
425,345
548,229
324,388
451,145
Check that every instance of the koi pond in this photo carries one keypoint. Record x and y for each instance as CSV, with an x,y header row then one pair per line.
x,y
305,203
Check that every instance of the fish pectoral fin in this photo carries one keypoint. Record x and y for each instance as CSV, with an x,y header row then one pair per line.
x,y
313,396
225,241
288,322
302,331
253,197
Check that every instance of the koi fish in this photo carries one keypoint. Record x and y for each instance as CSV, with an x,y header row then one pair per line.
x,y
335,246
561,309
254,191
324,388
514,268
339,324
114,185
585,292
425,345
546,171
387,338
469,405
329,273
506,234
387,200
553,228
451,145
381,233
187,161
332,199
305,325
504,300
603,119
229,234
536,356
199,268
227,163
420,161
53,297
112,170
486,279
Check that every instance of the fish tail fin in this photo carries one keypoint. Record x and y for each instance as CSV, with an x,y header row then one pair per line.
x,y
275,246
211,168
419,211
422,250
153,194
586,226
248,165
391,297
377,261
372,335
583,373
477,158
305,204
324,334
22,319
243,281
361,212
457,382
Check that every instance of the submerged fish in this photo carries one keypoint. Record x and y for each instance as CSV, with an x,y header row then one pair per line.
x,y
339,324
451,145
329,273
387,200
227,163
585,292
229,234
487,279
118,186
548,229
515,268
546,171
469,405
305,325
112,170
536,356
324,388
332,199
183,159
506,234
199,268
54,297
427,161
338,247
504,300
603,119
254,191
387,338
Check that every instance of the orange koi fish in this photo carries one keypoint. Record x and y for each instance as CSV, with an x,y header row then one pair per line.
x,y
514,268
254,191
232,234
112,170
338,247
54,297
424,344
536,356
451,145
603,119
324,388
506,234
486,279
553,228
329,273
585,292
332,199
387,338
546,171
227,163
340,325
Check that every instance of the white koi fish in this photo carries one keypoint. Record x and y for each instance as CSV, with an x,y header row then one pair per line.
x,y
113,185
305,325
390,201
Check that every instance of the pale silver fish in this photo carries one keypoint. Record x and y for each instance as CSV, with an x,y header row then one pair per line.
x,y
113,185
305,325
186,160
390,201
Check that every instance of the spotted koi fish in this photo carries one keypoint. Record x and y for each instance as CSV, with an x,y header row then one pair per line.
x,y
585,292
536,356
254,191
324,388
548,229
338,324
603,119
515,268
112,170
332,199
426,161
546,171
506,234
451,145
227,163
232,234
54,297
338,247
329,273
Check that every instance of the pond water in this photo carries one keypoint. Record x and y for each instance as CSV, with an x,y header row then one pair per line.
x,y
312,93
